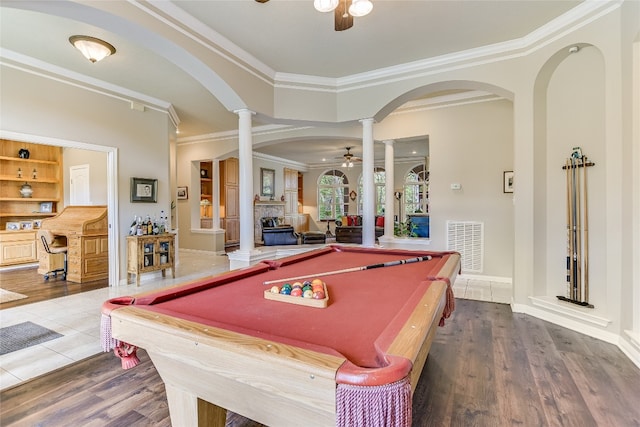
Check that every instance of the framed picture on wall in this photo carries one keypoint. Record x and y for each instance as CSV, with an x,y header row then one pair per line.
x,y
144,190
183,193
267,182
507,182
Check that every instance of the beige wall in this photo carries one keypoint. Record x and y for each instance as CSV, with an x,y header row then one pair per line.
x,y
41,108
470,145
97,162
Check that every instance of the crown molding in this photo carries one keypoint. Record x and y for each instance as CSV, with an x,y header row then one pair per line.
x,y
581,15
189,26
284,162
30,65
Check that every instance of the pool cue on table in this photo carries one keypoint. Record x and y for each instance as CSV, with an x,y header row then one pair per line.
x,y
352,269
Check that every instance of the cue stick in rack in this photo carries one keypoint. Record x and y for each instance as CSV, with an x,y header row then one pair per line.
x,y
576,271
586,232
578,234
566,165
353,269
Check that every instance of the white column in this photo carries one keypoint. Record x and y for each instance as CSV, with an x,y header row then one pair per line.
x,y
215,196
245,168
368,196
389,187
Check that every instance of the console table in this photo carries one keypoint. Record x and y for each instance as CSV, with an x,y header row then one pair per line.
x,y
150,253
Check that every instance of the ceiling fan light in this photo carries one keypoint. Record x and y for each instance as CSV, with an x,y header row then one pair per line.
x,y
92,48
325,5
360,7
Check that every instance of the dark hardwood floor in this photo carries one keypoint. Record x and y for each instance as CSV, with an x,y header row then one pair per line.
x,y
487,367
28,282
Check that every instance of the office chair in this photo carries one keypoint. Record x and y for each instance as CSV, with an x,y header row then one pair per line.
x,y
48,240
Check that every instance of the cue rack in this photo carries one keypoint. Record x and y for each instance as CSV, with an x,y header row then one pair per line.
x,y
577,229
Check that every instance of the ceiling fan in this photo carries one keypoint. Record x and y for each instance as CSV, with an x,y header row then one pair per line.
x,y
348,158
344,10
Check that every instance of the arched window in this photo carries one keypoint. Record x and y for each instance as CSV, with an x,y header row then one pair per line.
x,y
379,178
416,190
333,195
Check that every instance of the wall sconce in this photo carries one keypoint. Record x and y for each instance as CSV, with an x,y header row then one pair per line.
x,y
92,48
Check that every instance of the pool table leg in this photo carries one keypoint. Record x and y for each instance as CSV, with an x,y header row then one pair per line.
x,y
187,410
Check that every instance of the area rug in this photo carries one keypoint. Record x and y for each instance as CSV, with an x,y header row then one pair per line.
x,y
23,335
6,296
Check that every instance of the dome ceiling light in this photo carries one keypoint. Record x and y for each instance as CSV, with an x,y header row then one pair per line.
x,y
92,48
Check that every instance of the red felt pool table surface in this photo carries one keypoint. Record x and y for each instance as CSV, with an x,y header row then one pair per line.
x,y
364,316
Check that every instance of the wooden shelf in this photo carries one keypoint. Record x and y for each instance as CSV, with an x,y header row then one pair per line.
x,y
28,199
26,214
27,179
46,161
32,161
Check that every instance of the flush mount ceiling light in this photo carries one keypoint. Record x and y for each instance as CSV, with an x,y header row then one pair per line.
x,y
92,48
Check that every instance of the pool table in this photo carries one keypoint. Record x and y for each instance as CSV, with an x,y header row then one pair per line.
x,y
219,345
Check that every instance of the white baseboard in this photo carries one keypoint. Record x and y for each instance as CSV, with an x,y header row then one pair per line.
x,y
584,323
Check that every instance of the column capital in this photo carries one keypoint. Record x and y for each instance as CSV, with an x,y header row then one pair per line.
x,y
389,141
366,120
244,111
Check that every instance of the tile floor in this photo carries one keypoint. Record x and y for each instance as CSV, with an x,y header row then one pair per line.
x,y
77,317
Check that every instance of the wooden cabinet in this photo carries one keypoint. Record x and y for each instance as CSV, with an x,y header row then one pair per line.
x,y
230,201
150,253
17,247
300,222
292,213
42,170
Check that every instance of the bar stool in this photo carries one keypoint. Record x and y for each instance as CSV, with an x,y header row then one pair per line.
x,y
48,240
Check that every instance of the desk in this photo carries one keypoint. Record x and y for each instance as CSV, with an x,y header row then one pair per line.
x,y
86,230
218,344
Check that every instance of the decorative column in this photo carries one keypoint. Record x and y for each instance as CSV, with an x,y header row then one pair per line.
x,y
368,196
389,187
245,168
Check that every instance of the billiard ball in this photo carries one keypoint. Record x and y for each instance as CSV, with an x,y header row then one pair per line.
x,y
307,293
318,295
275,290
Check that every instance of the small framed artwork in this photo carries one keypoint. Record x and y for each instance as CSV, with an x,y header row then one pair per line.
x,y
507,182
46,207
26,225
183,193
267,182
144,190
37,223
13,226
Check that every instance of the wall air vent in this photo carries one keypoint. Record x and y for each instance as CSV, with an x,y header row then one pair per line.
x,y
467,237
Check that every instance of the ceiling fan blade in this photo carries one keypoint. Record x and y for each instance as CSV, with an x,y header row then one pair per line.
x,y
344,21
262,1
